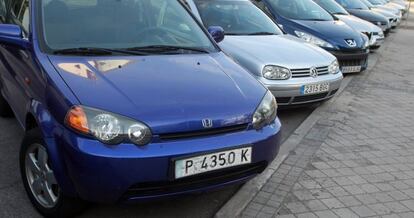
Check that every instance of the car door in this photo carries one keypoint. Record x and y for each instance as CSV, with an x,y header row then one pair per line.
x,y
17,71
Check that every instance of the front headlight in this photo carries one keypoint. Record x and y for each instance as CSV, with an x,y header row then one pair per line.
x,y
107,127
276,73
266,113
313,39
334,67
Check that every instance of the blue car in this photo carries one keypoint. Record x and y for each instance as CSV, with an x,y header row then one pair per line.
x,y
307,20
125,101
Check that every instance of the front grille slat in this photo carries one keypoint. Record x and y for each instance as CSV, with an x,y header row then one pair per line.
x,y
305,72
206,132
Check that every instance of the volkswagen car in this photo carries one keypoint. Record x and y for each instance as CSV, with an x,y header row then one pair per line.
x,y
307,20
373,32
123,101
359,9
258,44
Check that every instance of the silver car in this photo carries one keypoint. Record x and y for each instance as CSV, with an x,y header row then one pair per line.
x,y
393,15
295,71
373,32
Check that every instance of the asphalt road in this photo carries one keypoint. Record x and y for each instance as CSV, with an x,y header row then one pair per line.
x,y
14,203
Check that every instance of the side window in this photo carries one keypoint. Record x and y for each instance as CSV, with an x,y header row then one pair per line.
x,y
20,14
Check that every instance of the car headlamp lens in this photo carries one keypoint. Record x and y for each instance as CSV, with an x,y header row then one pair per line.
x,y
266,113
107,127
313,39
334,67
276,73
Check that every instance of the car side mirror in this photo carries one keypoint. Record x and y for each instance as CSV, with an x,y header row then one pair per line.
x,y
12,34
217,32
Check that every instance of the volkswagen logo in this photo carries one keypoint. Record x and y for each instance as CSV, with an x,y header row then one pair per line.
x,y
313,72
207,123
351,43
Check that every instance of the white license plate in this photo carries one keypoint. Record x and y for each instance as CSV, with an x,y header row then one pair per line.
x,y
315,88
351,69
214,161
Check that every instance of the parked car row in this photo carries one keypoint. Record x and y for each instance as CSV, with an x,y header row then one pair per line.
x,y
131,100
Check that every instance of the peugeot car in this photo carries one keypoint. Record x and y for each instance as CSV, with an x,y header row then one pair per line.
x,y
123,101
373,32
359,9
258,44
308,21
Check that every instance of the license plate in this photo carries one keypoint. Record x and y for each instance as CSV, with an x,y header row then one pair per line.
x,y
214,161
315,88
351,69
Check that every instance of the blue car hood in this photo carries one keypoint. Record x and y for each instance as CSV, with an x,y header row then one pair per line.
x,y
368,15
334,32
170,93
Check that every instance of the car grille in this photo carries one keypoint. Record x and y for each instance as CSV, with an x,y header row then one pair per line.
x,y
352,62
206,132
194,182
305,72
306,98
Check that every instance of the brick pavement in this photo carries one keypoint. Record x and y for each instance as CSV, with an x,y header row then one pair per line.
x,y
358,160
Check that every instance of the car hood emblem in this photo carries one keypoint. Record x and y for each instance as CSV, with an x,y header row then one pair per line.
x,y
207,123
351,42
313,72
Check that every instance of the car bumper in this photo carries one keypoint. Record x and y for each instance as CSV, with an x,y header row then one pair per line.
x,y
289,92
377,41
110,174
352,59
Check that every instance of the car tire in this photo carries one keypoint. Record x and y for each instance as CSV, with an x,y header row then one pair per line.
x,y
5,110
39,178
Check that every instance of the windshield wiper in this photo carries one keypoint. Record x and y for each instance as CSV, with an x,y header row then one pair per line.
x,y
339,13
261,34
96,51
317,19
165,48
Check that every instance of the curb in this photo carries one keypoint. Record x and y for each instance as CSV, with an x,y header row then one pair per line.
x,y
235,206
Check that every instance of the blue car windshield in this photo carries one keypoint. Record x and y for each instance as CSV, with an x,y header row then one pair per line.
x,y
300,10
332,7
353,4
116,24
376,2
236,17
367,3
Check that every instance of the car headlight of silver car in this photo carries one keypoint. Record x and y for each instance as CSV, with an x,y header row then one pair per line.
x,y
107,127
334,67
273,72
313,39
266,113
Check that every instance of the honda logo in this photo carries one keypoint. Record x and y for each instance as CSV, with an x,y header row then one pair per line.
x,y
351,43
313,72
207,123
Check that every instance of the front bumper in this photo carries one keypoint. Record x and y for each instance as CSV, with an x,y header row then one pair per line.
x,y
377,41
289,92
126,172
352,58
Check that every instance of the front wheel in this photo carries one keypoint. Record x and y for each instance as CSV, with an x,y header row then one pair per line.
x,y
40,182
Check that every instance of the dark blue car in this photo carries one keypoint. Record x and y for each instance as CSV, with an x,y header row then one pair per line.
x,y
127,101
307,20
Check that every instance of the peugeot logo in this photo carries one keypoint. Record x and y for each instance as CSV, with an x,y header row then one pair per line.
x,y
207,123
313,72
351,43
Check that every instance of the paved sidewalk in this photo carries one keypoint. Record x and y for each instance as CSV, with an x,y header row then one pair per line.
x,y
358,160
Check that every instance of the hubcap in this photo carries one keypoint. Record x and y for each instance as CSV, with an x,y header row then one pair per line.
x,y
40,177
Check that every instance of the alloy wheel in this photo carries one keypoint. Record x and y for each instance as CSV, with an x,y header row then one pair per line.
x,y
40,176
